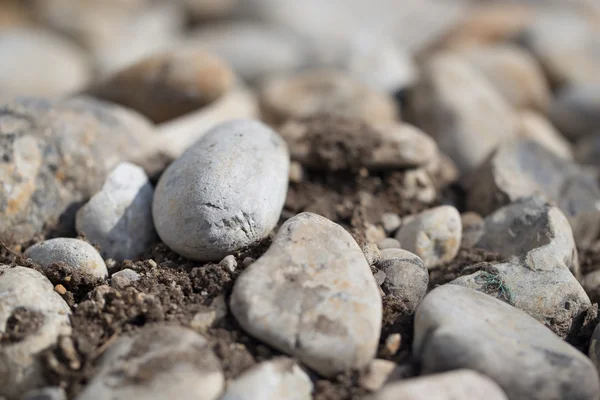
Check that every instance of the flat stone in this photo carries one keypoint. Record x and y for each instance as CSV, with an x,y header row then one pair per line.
x,y
460,384
56,155
433,235
123,278
406,277
224,193
523,168
276,379
461,110
35,62
535,126
514,73
77,255
32,317
456,327
119,217
323,91
173,362
168,84
575,110
312,295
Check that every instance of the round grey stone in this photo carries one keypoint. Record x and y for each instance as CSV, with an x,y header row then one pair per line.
x,y
406,277
576,110
224,193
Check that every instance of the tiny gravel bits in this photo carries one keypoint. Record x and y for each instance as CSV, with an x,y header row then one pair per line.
x,y
224,193
312,295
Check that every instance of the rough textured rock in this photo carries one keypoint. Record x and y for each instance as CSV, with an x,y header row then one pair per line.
x,y
323,91
171,361
169,84
523,168
313,296
78,256
54,155
433,235
406,277
576,110
40,63
461,110
32,316
536,127
123,278
456,327
514,73
276,379
224,193
461,384
119,217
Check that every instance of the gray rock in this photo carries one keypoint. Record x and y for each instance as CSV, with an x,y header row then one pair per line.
x,y
456,327
78,256
594,350
276,379
56,155
28,296
433,235
406,277
514,73
587,150
123,278
461,384
119,217
575,110
224,193
173,362
461,110
591,285
391,222
47,393
312,295
523,168
372,253
473,228
535,126
39,63
389,243
229,262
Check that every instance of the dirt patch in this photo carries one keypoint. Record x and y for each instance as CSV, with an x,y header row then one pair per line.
x,y
467,261
21,324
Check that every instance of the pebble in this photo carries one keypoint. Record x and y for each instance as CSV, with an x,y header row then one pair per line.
x,y
296,172
392,344
514,73
203,320
456,327
168,84
575,110
473,227
119,217
26,291
377,374
591,285
47,393
461,384
391,222
535,126
40,63
506,177
79,256
277,379
312,295
123,278
433,235
229,263
406,277
417,184
461,110
224,193
388,243
372,253
323,91
173,362
45,176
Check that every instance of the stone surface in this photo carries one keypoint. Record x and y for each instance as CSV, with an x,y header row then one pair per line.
x,y
514,73
123,278
391,222
523,168
389,243
461,110
406,277
47,393
323,91
173,362
27,297
40,63
472,228
460,384
575,110
229,262
591,285
536,127
168,84
433,235
587,150
119,217
377,374
312,295
55,155
276,379
456,327
224,193
594,351
371,253
79,256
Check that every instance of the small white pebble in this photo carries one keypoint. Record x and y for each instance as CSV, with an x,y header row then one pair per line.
x,y
229,263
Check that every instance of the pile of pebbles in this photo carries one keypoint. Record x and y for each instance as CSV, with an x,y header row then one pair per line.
x,y
253,200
